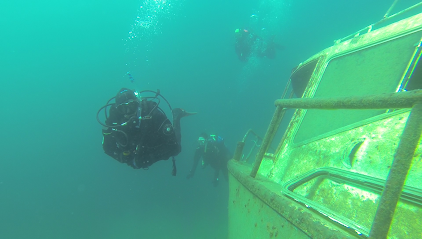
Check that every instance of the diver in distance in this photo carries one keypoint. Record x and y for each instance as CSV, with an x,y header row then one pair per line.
x,y
248,44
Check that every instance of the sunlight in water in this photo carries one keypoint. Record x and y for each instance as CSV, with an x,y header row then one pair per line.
x,y
149,18
148,23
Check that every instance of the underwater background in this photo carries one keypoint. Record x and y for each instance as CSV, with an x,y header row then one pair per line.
x,y
60,61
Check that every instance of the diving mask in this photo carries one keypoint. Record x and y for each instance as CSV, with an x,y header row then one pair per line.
x,y
128,108
201,141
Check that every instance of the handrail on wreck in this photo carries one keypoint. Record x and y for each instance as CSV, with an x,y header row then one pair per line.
x,y
241,144
402,160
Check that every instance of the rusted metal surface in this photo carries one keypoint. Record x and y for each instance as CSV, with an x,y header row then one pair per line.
x,y
384,101
251,218
373,158
398,173
396,100
378,138
313,225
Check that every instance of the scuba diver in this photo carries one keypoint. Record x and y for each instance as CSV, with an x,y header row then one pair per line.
x,y
248,44
137,131
214,153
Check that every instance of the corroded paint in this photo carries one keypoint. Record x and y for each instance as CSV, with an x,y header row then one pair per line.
x,y
259,201
373,158
378,139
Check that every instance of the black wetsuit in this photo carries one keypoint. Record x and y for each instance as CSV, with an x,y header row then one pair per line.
x,y
140,143
243,45
215,154
249,44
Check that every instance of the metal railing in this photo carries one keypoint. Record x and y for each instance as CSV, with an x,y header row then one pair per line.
x,y
241,144
402,160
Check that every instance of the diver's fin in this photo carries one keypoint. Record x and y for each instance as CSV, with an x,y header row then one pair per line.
x,y
180,113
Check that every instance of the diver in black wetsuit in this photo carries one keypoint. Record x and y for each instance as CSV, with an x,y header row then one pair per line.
x,y
249,44
244,43
138,133
214,153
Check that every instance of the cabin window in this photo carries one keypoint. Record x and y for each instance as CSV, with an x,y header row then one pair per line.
x,y
373,70
415,81
301,76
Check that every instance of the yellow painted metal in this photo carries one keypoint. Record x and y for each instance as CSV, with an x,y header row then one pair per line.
x,y
250,217
365,147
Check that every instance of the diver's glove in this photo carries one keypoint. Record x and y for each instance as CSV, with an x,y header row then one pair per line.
x,y
190,175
